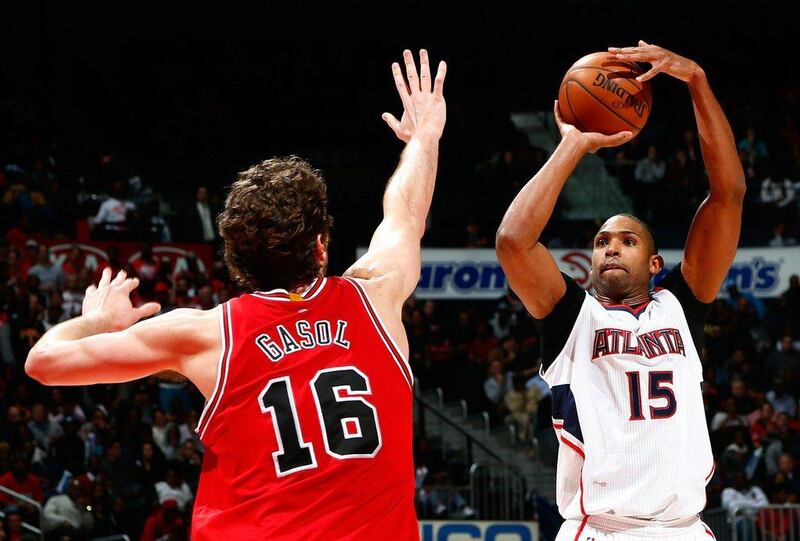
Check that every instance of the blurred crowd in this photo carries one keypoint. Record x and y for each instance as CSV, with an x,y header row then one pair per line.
x,y
125,459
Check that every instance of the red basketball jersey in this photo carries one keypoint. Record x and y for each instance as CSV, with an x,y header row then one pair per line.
x,y
308,432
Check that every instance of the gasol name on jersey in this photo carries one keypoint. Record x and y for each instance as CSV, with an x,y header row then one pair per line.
x,y
285,340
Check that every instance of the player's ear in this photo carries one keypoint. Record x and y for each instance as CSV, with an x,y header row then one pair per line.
x,y
656,264
321,248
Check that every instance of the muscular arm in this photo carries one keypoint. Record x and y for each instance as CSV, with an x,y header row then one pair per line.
x,y
390,268
105,346
714,234
394,251
531,271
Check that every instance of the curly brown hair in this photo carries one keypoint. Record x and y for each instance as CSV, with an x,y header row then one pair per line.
x,y
272,217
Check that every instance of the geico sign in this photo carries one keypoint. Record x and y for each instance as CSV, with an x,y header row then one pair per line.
x,y
480,530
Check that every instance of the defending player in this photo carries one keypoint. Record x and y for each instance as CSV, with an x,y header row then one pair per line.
x,y
307,425
623,366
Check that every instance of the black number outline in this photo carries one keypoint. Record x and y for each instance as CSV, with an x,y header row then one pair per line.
x,y
353,396
286,380
656,391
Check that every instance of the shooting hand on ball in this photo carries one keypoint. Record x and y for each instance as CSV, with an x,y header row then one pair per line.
x,y
589,141
660,59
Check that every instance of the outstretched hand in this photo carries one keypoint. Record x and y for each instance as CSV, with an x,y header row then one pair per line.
x,y
590,141
424,109
110,301
660,59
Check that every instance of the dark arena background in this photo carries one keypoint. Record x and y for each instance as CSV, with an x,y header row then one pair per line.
x,y
158,106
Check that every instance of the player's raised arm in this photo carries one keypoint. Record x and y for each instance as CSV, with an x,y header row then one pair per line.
x,y
531,270
392,263
107,345
714,234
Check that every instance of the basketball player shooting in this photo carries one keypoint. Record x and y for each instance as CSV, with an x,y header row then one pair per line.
x,y
307,424
623,366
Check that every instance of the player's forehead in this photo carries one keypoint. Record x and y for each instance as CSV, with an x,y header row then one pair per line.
x,y
621,225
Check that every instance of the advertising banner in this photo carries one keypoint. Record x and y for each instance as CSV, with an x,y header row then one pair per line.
x,y
476,273
472,530
95,253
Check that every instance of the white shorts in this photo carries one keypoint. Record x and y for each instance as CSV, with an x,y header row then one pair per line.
x,y
600,529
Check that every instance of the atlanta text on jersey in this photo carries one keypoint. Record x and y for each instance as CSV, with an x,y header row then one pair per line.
x,y
650,344
304,335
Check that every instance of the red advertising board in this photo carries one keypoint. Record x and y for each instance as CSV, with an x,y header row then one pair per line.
x,y
95,253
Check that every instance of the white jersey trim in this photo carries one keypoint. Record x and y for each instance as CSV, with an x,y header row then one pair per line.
x,y
380,327
223,364
282,295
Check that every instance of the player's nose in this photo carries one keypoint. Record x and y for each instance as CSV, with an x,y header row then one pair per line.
x,y
612,248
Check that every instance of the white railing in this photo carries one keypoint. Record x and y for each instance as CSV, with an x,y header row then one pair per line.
x,y
23,498
768,523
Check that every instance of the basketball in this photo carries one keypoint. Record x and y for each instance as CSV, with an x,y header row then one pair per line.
x,y
601,94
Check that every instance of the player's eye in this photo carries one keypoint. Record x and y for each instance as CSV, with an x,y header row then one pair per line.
x,y
630,242
602,242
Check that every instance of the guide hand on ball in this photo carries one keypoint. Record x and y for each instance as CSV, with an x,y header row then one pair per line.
x,y
661,60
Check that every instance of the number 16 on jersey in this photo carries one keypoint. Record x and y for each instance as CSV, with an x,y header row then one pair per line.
x,y
349,423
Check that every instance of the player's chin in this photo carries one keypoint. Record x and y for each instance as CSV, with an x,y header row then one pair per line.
x,y
613,282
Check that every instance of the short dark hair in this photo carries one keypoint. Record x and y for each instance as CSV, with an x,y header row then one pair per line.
x,y
272,217
646,227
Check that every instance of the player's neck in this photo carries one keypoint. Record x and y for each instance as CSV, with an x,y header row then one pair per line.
x,y
634,299
299,290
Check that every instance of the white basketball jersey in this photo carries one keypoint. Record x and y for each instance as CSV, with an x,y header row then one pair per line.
x,y
627,405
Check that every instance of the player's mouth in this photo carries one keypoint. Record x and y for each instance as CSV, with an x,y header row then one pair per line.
x,y
612,266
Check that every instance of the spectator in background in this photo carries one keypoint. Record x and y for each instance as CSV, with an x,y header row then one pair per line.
x,y
780,238
68,516
781,400
762,424
43,429
650,169
691,146
496,385
778,200
111,221
648,174
146,266
173,487
160,427
787,467
728,418
50,276
753,148
522,404
790,299
785,357
735,297
503,321
199,219
74,262
19,479
475,238
15,531
743,496
113,262
72,297
165,522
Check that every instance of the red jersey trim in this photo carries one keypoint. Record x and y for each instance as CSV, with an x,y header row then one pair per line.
x,y
226,332
582,526
388,341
